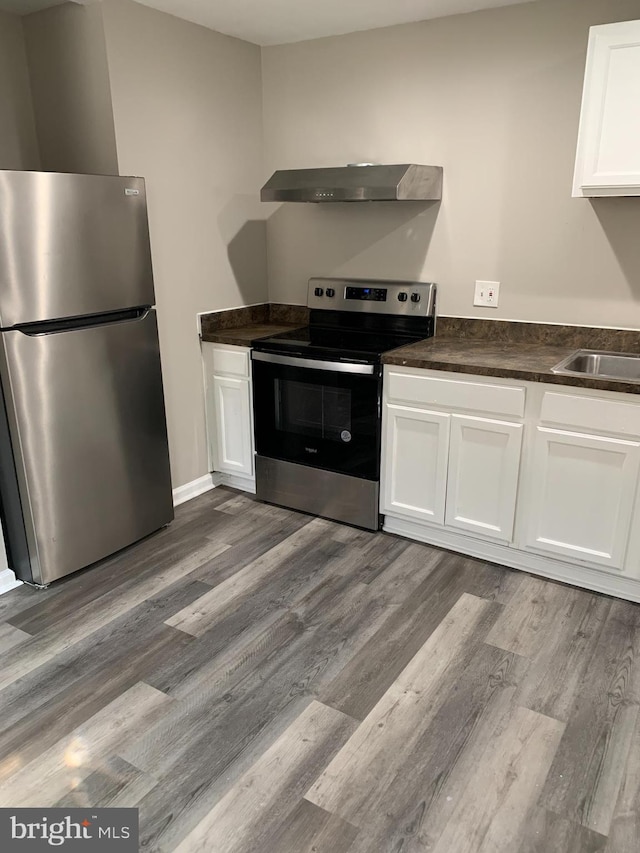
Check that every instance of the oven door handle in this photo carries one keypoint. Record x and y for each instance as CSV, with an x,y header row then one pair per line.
x,y
313,364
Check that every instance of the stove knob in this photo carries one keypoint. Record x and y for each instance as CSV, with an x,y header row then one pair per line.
x,y
415,297
402,297
318,291
330,291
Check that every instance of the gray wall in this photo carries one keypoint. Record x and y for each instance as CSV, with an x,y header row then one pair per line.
x,y
18,144
71,91
492,96
187,107
119,87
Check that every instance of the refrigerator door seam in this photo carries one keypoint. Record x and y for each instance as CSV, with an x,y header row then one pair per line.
x,y
21,474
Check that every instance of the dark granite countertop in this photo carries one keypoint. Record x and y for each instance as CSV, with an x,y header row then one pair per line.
x,y
503,348
244,336
239,327
531,361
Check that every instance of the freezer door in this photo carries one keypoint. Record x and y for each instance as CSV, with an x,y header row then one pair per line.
x,y
87,428
71,245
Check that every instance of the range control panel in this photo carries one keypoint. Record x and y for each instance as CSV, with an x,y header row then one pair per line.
x,y
407,298
370,294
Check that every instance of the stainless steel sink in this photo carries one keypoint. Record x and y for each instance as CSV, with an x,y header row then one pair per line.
x,y
603,365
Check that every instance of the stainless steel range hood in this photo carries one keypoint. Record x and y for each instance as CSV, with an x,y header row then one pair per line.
x,y
407,182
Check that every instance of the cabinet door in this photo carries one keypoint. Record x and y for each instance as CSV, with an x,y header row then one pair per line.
x,y
414,470
583,490
232,444
608,158
484,461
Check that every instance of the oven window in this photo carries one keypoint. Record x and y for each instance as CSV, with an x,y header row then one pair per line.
x,y
321,418
315,411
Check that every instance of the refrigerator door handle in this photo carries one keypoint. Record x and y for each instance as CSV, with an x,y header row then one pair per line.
x,y
70,324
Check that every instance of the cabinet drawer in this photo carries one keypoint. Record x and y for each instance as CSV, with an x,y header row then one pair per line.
x,y
454,394
231,362
602,416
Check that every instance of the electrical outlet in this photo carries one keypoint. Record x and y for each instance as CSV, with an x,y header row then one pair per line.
x,y
487,293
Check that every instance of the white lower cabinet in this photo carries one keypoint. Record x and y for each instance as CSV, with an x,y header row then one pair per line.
x,y
447,468
582,494
537,477
482,480
232,447
229,411
414,475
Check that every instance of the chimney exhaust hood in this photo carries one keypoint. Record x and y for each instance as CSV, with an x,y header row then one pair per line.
x,y
366,182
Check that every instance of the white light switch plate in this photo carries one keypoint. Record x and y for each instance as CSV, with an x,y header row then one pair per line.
x,y
487,294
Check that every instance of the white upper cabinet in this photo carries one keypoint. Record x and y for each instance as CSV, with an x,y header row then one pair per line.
x,y
608,157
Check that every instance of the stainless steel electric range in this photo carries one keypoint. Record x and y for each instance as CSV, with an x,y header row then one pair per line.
x,y
318,391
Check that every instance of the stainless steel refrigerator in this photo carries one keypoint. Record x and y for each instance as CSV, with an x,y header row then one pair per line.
x,y
84,463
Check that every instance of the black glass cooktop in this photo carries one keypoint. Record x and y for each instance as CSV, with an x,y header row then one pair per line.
x,y
334,344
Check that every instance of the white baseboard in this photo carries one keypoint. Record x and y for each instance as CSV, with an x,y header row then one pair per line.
x,y
583,576
193,489
8,581
210,481
235,481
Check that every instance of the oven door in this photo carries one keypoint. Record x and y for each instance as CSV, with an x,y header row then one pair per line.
x,y
321,414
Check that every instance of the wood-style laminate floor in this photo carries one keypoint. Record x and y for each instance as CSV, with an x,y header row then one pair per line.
x,y
253,679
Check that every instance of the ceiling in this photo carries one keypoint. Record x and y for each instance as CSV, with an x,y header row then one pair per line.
x,y
267,22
